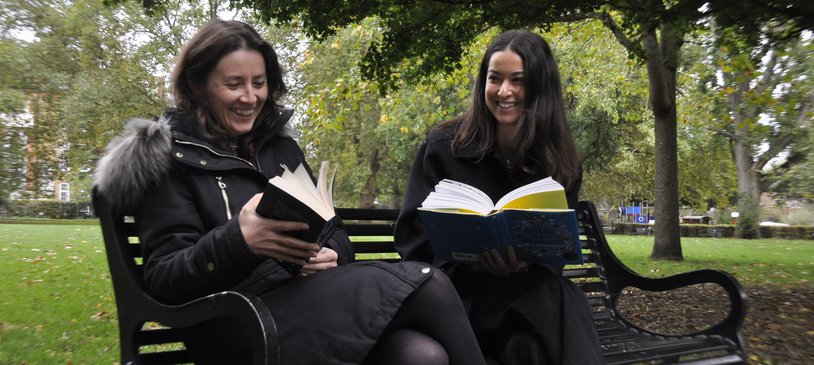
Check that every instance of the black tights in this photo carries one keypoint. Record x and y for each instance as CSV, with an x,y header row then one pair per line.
x,y
430,328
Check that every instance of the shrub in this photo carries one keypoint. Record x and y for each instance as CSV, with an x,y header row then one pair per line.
x,y
720,230
748,225
800,217
49,209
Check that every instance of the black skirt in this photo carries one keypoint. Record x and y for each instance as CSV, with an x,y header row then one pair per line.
x,y
531,317
331,317
337,315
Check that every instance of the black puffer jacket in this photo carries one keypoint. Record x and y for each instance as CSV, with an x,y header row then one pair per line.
x,y
187,214
187,193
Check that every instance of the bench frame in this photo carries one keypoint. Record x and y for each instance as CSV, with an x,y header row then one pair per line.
x,y
602,278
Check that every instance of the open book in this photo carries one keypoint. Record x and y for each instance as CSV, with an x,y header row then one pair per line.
x,y
293,196
462,223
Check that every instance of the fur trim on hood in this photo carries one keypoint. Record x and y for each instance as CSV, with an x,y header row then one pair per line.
x,y
133,162
140,157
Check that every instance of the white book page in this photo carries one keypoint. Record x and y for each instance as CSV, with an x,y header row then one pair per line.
x,y
325,186
446,203
331,187
301,176
300,186
297,190
453,194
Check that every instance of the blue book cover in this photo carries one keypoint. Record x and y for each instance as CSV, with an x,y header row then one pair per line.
x,y
538,236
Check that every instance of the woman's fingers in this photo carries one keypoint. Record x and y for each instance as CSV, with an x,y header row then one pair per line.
x,y
494,263
287,248
325,259
515,265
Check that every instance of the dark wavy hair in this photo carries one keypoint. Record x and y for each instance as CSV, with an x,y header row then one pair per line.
x,y
199,58
544,139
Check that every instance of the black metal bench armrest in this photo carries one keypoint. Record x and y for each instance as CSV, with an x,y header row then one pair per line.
x,y
620,277
136,306
737,298
248,307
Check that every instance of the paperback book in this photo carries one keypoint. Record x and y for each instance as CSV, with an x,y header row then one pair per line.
x,y
293,196
462,223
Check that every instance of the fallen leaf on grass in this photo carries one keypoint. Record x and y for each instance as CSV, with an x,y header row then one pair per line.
x,y
774,327
100,316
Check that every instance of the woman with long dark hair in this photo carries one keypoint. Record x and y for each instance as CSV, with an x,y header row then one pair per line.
x,y
515,132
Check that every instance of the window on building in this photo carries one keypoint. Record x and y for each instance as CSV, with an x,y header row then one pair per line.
x,y
64,192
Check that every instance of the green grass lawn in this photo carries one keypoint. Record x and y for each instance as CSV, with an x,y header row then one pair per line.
x,y
58,307
57,303
777,262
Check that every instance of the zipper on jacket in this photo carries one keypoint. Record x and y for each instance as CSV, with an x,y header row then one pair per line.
x,y
222,186
215,152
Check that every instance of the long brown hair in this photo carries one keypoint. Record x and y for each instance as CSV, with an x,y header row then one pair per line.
x,y
201,55
544,139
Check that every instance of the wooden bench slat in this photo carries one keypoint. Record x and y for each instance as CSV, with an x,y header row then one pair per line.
x,y
666,349
156,336
165,357
721,360
583,272
368,229
372,247
594,286
370,214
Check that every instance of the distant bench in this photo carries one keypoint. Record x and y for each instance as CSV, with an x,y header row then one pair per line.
x,y
602,278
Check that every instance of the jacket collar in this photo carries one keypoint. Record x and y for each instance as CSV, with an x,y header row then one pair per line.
x,y
140,156
185,127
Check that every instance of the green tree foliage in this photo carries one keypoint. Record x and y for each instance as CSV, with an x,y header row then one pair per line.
x,y
372,137
762,98
12,106
84,69
606,93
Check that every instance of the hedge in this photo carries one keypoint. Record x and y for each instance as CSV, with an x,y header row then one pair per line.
x,y
47,209
719,230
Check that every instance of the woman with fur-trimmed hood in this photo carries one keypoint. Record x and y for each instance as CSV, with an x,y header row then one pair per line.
x,y
193,179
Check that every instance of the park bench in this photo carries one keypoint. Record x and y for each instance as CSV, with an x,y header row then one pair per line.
x,y
603,278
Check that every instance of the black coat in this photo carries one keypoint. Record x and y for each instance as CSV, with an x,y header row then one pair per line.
x,y
187,216
537,313
188,223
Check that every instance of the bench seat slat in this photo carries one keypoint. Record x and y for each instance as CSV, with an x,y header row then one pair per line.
x,y
667,350
369,230
156,337
165,357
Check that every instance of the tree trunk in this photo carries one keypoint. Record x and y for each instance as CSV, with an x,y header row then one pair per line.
x,y
748,177
662,61
748,184
368,195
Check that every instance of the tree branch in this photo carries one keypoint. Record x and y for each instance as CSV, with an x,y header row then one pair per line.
x,y
608,21
724,133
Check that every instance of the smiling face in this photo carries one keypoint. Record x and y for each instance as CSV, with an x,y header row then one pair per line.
x,y
504,92
237,90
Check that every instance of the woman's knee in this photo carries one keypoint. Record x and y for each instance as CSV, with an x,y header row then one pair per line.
x,y
408,347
